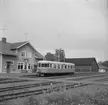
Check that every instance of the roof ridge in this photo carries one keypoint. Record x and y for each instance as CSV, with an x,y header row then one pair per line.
x,y
20,42
82,58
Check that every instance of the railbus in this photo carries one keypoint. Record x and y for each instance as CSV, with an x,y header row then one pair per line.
x,y
51,67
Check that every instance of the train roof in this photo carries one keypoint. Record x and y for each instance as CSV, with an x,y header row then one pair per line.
x,y
45,61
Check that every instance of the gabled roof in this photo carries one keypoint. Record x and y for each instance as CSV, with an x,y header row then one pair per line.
x,y
8,48
82,61
5,49
18,44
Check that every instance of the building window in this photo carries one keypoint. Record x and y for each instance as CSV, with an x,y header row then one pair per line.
x,y
20,65
23,54
29,54
29,66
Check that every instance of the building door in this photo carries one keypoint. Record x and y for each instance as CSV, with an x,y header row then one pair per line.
x,y
8,67
35,68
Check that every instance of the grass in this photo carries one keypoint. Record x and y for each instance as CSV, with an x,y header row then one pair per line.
x,y
99,97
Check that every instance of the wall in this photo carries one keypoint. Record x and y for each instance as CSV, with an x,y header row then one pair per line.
x,y
83,68
19,58
27,48
12,67
0,63
94,67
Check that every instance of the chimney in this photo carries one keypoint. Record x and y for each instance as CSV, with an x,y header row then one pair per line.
x,y
4,40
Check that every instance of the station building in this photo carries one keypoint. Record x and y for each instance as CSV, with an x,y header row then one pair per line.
x,y
18,57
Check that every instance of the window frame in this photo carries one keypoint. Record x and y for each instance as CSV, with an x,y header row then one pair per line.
x,y
29,54
24,53
19,64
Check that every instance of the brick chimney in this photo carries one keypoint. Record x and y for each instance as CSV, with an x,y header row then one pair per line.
x,y
4,40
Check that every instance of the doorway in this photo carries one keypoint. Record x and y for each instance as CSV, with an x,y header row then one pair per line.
x,y
8,66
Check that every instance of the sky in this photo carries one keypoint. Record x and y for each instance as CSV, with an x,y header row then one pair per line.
x,y
80,27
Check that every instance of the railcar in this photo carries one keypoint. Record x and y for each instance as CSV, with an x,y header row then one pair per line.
x,y
52,67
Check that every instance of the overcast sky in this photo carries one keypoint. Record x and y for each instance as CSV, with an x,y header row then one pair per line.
x,y
80,27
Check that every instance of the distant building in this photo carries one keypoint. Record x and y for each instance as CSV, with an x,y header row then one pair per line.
x,y
102,68
18,57
84,64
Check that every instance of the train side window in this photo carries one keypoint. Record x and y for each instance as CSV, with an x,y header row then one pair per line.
x,y
43,65
69,67
65,66
50,65
54,65
58,66
46,65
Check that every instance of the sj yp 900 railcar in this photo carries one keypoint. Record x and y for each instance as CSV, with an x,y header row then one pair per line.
x,y
52,67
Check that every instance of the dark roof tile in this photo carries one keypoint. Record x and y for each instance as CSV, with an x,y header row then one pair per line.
x,y
7,48
81,61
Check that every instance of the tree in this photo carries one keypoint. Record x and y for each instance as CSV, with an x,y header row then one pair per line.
x,y
100,63
60,55
50,57
105,63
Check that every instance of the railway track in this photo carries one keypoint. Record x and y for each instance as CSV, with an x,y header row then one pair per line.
x,y
26,90
27,86
87,77
12,81
60,76
20,94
